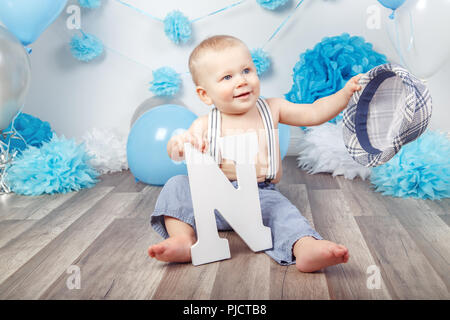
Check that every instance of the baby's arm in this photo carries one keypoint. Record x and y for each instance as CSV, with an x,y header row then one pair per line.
x,y
322,110
196,135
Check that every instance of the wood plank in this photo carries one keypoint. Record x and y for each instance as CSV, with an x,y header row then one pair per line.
x,y
403,266
129,184
18,251
13,200
10,229
115,266
294,175
291,173
445,218
112,179
333,219
430,233
240,277
183,281
439,207
41,206
35,276
362,198
298,285
146,205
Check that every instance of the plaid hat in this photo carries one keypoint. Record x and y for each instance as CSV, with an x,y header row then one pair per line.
x,y
392,109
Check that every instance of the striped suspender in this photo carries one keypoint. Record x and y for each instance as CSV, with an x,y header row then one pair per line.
x,y
214,131
270,137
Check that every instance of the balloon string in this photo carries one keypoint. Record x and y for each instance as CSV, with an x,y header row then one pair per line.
x,y
194,20
411,27
282,24
220,10
139,10
132,60
396,43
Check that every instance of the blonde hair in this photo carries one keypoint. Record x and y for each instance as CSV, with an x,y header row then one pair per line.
x,y
218,42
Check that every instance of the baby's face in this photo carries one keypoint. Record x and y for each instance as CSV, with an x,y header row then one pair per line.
x,y
229,79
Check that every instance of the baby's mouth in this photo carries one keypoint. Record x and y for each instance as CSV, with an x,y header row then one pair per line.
x,y
243,95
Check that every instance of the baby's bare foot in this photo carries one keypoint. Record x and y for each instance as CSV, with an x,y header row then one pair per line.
x,y
312,255
173,249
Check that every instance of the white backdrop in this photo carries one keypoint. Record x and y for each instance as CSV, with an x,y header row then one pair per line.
x,y
76,97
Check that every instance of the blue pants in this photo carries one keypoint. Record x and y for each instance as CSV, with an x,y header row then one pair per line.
x,y
278,213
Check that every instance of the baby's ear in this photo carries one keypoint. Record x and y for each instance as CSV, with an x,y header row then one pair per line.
x,y
203,95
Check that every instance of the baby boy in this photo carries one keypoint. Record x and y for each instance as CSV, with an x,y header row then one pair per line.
x,y
225,76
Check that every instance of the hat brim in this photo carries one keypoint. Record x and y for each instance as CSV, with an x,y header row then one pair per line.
x,y
416,112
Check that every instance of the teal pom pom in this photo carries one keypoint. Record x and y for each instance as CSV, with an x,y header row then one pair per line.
x,y
177,27
271,4
91,4
33,130
59,166
325,69
421,169
261,60
166,82
85,47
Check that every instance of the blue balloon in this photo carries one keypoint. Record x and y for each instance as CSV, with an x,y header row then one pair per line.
x,y
284,135
391,4
28,19
147,143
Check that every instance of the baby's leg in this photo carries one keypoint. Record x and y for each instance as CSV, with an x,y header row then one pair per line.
x,y
312,254
176,248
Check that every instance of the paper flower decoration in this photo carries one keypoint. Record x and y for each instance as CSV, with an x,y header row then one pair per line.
x,y
166,82
177,27
108,150
271,4
261,60
325,69
91,4
33,130
59,166
85,47
421,169
322,149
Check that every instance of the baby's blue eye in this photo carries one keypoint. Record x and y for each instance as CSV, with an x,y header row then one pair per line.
x,y
246,70
227,77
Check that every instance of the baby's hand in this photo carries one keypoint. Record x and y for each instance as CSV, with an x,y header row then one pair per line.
x,y
352,85
197,140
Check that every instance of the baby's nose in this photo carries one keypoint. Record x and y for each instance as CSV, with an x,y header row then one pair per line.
x,y
242,81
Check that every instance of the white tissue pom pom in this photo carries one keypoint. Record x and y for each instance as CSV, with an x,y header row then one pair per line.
x,y
108,148
322,149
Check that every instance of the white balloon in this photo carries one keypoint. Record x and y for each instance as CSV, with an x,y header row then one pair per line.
x,y
15,76
420,33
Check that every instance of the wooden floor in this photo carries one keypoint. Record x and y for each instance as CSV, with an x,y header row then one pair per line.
x,y
105,232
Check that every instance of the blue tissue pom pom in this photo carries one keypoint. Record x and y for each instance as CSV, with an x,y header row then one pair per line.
x,y
166,82
271,4
325,69
421,169
59,166
85,47
261,60
91,4
33,130
177,27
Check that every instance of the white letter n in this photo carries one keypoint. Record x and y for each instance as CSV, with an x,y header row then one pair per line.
x,y
211,189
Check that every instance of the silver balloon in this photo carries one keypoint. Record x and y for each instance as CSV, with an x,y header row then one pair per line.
x,y
15,75
150,103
